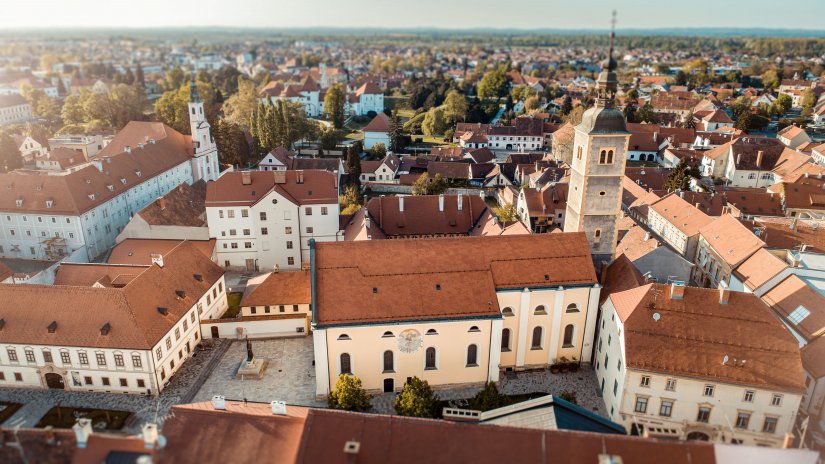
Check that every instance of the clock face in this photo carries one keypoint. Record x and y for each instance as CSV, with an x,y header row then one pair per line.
x,y
409,341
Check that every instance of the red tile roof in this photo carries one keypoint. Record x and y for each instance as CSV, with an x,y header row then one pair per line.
x,y
300,187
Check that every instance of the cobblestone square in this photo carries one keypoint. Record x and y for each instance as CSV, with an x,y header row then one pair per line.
x,y
289,376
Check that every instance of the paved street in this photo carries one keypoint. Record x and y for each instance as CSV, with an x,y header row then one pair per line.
x,y
289,375
37,402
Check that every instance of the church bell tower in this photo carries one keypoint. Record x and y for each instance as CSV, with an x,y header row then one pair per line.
x,y
599,155
205,162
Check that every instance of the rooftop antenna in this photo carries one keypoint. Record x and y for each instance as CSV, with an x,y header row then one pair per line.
x,y
656,293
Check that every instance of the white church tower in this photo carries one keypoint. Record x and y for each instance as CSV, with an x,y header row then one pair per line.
x,y
599,149
205,162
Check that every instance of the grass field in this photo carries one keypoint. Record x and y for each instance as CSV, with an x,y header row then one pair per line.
x,y
234,300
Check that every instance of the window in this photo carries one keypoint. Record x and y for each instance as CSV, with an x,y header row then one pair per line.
x,y
310,230
742,420
247,244
323,211
346,367
798,314
670,385
290,261
388,334
100,358
615,387
289,245
185,325
141,383
579,153
106,381
388,361
119,360
666,408
769,426
169,339
507,312
505,340
776,400
29,355
606,157
472,355
569,329
308,211
12,354
340,337
230,213
597,235
703,415
709,389
288,230
137,362
474,329
264,231
159,353
263,215
247,232
432,332
65,358
537,335
540,310
645,381
177,333
83,357
47,356
429,357
18,376
572,308
244,213
748,396
641,404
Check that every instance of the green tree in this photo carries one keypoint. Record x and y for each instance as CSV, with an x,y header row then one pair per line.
x,y
770,79
47,62
172,108
495,84
330,138
434,123
240,107
532,103
646,114
378,151
575,116
566,105
629,111
353,166
455,106
231,142
488,398
783,103
350,200
426,186
679,178
335,104
416,399
396,132
743,122
689,122
10,158
740,106
349,395
174,79
808,100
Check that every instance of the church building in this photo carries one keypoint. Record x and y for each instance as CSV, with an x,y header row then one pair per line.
x,y
205,159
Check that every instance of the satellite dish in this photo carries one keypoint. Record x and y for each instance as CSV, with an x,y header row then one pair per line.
x,y
656,316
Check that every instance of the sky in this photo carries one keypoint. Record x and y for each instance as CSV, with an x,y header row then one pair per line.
x,y
447,14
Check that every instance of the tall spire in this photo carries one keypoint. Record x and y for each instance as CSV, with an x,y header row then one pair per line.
x,y
194,97
608,84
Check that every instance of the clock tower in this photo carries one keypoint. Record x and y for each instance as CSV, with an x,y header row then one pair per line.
x,y
599,155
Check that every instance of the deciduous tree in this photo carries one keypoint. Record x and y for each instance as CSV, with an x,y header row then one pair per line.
x,y
349,395
416,399
334,105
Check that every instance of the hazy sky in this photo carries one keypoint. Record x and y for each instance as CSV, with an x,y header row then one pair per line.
x,y
802,14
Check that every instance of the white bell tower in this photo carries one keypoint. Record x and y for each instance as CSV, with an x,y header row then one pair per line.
x,y
205,162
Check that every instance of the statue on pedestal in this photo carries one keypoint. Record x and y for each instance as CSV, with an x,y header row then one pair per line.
x,y
249,355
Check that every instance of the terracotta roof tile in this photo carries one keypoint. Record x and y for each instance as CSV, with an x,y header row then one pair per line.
x,y
731,240
300,187
792,293
759,268
285,287
681,214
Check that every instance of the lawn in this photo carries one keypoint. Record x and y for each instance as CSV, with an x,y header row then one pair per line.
x,y
234,300
102,419
7,410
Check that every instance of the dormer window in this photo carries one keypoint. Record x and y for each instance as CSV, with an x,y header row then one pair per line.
x,y
18,202
111,187
92,196
138,173
49,203
123,181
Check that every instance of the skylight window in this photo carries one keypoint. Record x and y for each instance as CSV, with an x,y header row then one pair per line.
x,y
799,314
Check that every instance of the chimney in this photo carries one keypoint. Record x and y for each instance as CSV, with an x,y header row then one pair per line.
x,y
335,179
401,204
150,435
246,178
367,220
300,175
759,155
460,199
655,135
157,258
738,158
677,290
681,194
128,149
698,205
219,402
161,203
647,236
278,408
441,202
724,293
82,431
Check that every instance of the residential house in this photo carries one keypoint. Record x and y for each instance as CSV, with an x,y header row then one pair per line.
x,y
678,223
265,219
724,244
384,170
14,109
793,136
377,131
89,145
